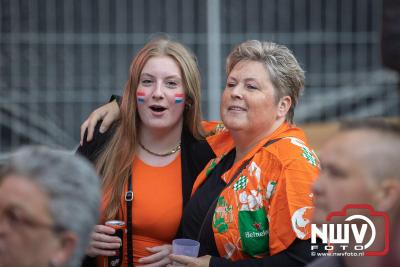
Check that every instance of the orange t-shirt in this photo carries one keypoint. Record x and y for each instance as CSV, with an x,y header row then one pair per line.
x,y
156,206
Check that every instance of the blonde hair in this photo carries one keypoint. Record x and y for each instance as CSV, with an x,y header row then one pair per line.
x,y
115,162
284,71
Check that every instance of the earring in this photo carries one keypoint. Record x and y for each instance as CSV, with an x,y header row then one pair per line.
x,y
188,106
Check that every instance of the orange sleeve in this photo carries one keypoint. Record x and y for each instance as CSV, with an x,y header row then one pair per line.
x,y
210,126
291,205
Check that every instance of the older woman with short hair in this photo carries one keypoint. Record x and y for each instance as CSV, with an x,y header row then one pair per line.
x,y
252,204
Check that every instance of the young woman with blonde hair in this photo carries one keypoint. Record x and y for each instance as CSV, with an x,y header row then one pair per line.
x,y
149,160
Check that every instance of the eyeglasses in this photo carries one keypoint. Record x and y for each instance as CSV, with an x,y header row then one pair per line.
x,y
17,219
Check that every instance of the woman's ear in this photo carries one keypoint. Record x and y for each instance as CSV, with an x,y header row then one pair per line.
x,y
188,103
284,105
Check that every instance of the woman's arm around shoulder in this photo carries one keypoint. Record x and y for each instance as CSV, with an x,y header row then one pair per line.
x,y
91,149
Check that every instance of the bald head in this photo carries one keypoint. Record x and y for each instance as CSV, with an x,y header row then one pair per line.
x,y
360,164
373,144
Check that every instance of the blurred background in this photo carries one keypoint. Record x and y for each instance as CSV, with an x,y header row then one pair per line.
x,y
59,60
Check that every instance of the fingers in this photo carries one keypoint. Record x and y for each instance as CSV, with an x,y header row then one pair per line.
x,y
159,254
88,125
93,252
97,237
161,263
108,113
111,114
105,245
99,228
156,249
83,130
106,123
203,261
96,115
182,259
102,243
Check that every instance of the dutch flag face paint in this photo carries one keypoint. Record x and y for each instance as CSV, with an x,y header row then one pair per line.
x,y
179,98
140,97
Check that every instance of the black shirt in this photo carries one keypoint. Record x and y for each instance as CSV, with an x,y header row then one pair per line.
x,y
198,213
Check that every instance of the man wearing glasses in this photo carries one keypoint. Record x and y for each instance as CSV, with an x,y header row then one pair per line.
x,y
48,206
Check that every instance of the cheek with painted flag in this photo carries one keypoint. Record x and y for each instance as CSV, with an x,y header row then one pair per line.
x,y
140,97
179,98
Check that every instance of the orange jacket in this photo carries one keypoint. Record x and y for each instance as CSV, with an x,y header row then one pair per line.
x,y
269,203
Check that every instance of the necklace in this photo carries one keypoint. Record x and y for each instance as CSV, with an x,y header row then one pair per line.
x,y
174,150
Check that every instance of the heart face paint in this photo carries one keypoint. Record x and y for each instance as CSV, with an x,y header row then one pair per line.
x,y
179,98
140,97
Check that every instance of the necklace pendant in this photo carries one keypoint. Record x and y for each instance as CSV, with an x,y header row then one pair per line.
x,y
173,151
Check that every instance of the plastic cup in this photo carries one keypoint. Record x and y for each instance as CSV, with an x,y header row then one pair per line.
x,y
186,247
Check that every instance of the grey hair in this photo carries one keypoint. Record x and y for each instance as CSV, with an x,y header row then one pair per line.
x,y
71,184
284,71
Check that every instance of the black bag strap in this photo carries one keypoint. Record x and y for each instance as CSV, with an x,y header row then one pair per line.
x,y
239,170
128,200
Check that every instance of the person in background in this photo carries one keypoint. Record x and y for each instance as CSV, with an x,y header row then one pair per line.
x,y
49,204
252,204
151,156
360,165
